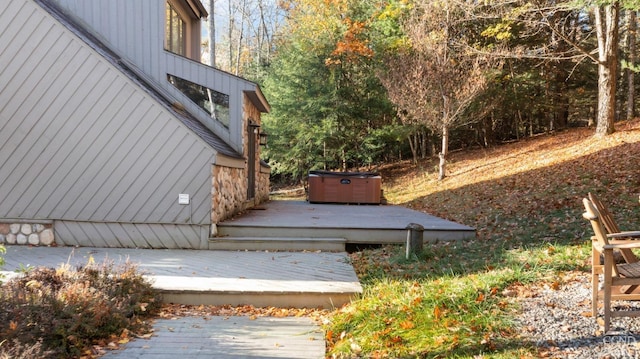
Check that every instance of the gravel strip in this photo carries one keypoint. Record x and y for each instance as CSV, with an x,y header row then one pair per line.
x,y
557,319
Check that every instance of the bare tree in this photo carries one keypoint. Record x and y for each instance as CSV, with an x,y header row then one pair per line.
x,y
262,36
230,29
242,32
436,80
242,9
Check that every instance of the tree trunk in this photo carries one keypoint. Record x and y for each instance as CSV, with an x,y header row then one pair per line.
x,y
607,31
412,145
443,154
424,141
212,49
324,155
231,25
212,33
243,12
264,38
631,110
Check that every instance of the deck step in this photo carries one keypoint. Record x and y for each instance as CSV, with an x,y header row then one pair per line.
x,y
284,299
277,244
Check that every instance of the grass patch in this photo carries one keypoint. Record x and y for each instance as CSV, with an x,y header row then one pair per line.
x,y
460,300
428,317
65,312
455,300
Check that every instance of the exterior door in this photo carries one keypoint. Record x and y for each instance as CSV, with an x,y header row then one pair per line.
x,y
251,167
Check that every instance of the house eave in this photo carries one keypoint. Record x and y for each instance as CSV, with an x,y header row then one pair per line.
x,y
231,162
197,9
258,100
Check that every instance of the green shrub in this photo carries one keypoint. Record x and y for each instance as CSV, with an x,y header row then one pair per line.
x,y
65,310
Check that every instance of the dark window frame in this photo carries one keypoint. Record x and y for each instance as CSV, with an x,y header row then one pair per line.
x,y
215,103
175,31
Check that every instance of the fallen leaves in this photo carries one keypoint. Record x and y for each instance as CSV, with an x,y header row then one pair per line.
x,y
437,313
170,310
175,311
115,342
407,324
493,189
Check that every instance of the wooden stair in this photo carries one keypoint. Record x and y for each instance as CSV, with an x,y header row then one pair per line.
x,y
277,244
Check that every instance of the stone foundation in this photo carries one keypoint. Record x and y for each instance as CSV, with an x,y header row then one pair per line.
x,y
263,185
229,192
27,233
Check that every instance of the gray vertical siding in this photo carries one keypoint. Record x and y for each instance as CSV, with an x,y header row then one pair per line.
x,y
135,29
134,235
83,145
132,27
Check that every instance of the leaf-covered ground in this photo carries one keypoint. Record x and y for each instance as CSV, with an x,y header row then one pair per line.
x,y
524,199
529,178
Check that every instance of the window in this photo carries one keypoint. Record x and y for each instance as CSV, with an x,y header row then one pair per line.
x,y
175,32
215,103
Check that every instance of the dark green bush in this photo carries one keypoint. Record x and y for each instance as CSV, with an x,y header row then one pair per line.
x,y
64,310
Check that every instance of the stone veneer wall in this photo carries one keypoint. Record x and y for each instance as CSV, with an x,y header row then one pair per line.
x,y
229,192
27,233
262,172
229,187
263,185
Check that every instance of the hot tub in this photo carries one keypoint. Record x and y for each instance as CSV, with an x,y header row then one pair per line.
x,y
344,187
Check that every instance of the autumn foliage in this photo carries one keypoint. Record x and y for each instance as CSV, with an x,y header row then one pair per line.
x,y
73,313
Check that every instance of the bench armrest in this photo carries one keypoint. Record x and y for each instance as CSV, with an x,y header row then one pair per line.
x,y
629,234
622,245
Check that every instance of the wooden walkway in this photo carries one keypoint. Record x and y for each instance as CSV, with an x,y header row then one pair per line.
x,y
281,279
228,338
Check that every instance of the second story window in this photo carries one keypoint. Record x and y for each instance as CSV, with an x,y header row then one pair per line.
x,y
215,103
175,32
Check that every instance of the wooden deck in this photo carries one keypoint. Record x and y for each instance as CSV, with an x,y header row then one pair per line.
x,y
280,279
301,222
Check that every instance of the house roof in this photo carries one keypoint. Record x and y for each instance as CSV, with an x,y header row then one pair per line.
x,y
136,76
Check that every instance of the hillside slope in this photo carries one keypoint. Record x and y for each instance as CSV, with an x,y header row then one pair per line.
x,y
462,299
527,179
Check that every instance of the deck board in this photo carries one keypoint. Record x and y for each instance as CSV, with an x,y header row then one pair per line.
x,y
310,215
